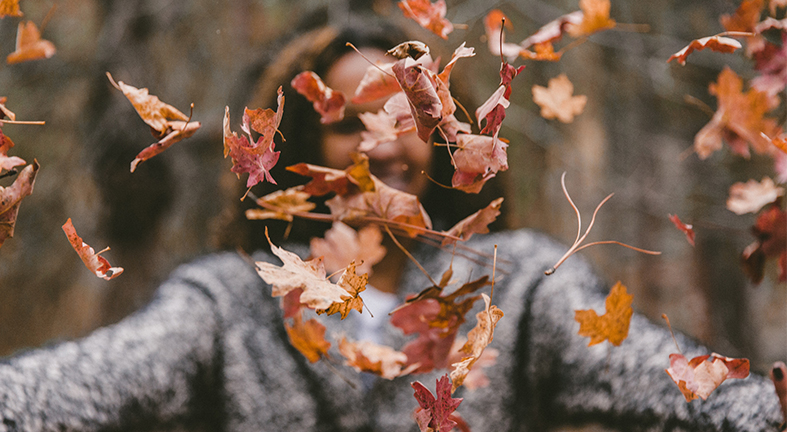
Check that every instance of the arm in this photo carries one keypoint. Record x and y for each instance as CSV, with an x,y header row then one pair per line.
x,y
145,370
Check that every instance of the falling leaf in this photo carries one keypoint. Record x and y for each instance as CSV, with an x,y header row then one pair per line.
x,y
477,339
10,8
553,31
476,378
739,119
700,376
326,101
377,83
413,49
745,18
420,86
494,109
713,43
434,413
308,338
556,100
542,52
343,244
7,162
686,228
476,223
179,131
770,230
29,45
150,108
595,18
11,197
428,15
281,205
93,261
381,360
493,24
477,159
353,284
614,324
751,196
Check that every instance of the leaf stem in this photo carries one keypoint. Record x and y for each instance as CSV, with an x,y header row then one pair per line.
x,y
23,122
370,62
409,255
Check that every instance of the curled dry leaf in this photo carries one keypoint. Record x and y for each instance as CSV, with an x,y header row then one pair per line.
x,y
713,43
595,18
150,108
494,109
493,25
770,230
343,244
685,228
326,101
420,87
413,49
93,261
281,205
478,159
701,375
476,223
435,413
477,339
476,378
29,45
739,119
614,324
178,131
556,100
308,338
751,196
381,360
10,8
11,197
428,15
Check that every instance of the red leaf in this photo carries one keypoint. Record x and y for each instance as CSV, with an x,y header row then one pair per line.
x,y
7,162
770,229
327,102
686,228
11,197
434,412
477,160
93,261
420,87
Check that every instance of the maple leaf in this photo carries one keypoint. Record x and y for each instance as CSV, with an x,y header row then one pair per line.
x,y
10,8
353,284
686,228
179,131
595,18
770,230
477,340
308,338
713,43
556,100
29,45
751,196
150,108
614,324
343,244
434,413
11,197
745,18
93,261
281,205
701,375
428,15
326,101
476,223
542,52
477,159
381,360
738,120
493,25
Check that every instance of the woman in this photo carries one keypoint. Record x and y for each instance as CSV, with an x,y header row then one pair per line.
x,y
211,351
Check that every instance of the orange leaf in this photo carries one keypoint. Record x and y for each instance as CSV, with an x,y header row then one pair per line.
x,y
477,339
308,338
556,100
428,15
9,8
29,45
713,43
614,324
343,244
369,357
11,197
93,261
326,101
150,108
745,18
700,376
595,18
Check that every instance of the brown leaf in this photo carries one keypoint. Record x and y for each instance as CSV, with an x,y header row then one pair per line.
x,y
93,261
413,49
476,223
308,338
178,131
556,100
751,196
343,244
420,85
7,162
353,284
11,197
770,229
713,43
614,324
435,413
150,108
381,360
477,339
700,376
281,204
29,45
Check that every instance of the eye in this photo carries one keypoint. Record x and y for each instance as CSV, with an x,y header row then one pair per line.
x,y
347,126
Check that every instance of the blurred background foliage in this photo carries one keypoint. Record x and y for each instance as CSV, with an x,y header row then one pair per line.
x,y
633,139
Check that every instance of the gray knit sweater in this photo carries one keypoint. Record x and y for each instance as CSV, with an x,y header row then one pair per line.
x,y
210,352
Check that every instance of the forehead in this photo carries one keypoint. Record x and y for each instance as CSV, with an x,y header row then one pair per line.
x,y
347,72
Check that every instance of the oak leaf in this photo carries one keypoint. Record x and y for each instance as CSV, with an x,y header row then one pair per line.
x,y
381,360
10,8
751,196
701,375
11,197
428,15
308,338
477,340
93,261
614,324
556,100
343,244
714,43
476,223
434,413
687,229
29,45
327,102
282,204
595,18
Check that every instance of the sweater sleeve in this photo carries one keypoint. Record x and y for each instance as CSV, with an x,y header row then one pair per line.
x,y
149,369
626,387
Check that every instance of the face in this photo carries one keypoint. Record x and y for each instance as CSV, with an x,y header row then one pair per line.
x,y
397,163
